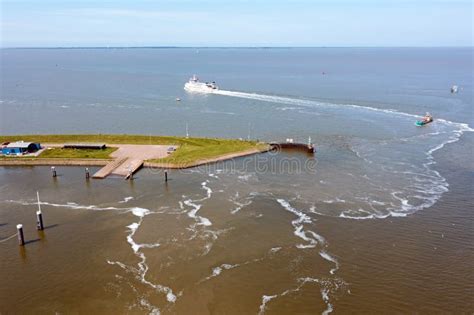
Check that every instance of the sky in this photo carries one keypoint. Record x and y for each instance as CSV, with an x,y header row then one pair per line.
x,y
315,23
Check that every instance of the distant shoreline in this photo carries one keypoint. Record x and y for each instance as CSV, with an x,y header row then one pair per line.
x,y
234,47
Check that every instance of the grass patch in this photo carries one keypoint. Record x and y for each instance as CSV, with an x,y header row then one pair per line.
x,y
190,149
55,153
114,139
189,153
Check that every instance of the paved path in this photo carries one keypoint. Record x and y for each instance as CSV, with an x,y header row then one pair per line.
x,y
107,169
130,157
129,166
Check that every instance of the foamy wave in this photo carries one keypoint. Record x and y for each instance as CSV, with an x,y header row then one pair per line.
x,y
298,225
328,287
196,207
193,213
70,205
330,258
265,300
240,204
216,271
126,199
405,208
143,268
311,237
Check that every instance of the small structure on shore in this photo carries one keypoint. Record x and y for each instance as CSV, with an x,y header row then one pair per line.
x,y
290,144
90,146
20,147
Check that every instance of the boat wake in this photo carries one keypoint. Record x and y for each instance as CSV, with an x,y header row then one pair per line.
x,y
403,154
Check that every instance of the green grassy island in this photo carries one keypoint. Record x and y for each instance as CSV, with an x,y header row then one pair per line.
x,y
189,152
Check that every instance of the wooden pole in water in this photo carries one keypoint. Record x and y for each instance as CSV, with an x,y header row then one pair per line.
x,y
39,221
166,175
39,216
53,170
88,175
21,237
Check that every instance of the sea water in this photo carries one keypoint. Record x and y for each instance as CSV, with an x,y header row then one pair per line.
x,y
166,246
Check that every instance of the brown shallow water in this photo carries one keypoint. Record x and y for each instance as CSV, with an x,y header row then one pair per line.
x,y
84,263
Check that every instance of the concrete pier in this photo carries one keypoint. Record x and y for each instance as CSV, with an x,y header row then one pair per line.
x,y
109,168
128,168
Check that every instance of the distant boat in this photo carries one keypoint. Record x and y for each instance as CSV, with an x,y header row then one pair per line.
x,y
178,99
425,120
194,85
454,89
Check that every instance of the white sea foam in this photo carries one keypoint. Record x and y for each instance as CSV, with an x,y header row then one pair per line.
x,y
265,300
216,271
70,205
309,236
126,199
298,225
334,200
140,212
327,285
206,188
330,258
196,207
193,213
433,190
142,266
199,227
151,308
275,249
133,227
240,203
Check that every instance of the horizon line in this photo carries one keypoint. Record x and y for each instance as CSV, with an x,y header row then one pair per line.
x,y
217,47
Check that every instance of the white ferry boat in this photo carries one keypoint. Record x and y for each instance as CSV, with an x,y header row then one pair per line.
x,y
194,85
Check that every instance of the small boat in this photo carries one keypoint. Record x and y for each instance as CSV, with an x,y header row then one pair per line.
x,y
422,122
425,120
454,89
178,99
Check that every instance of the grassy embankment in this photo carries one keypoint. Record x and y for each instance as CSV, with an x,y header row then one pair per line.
x,y
190,150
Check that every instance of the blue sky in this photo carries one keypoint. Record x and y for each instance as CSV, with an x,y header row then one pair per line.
x,y
45,23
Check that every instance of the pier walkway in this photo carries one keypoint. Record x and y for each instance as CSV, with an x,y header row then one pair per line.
x,y
129,158
107,169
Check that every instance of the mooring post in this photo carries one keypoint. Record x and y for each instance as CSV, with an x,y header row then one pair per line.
x,y
53,170
39,215
21,237
166,175
88,175
39,221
